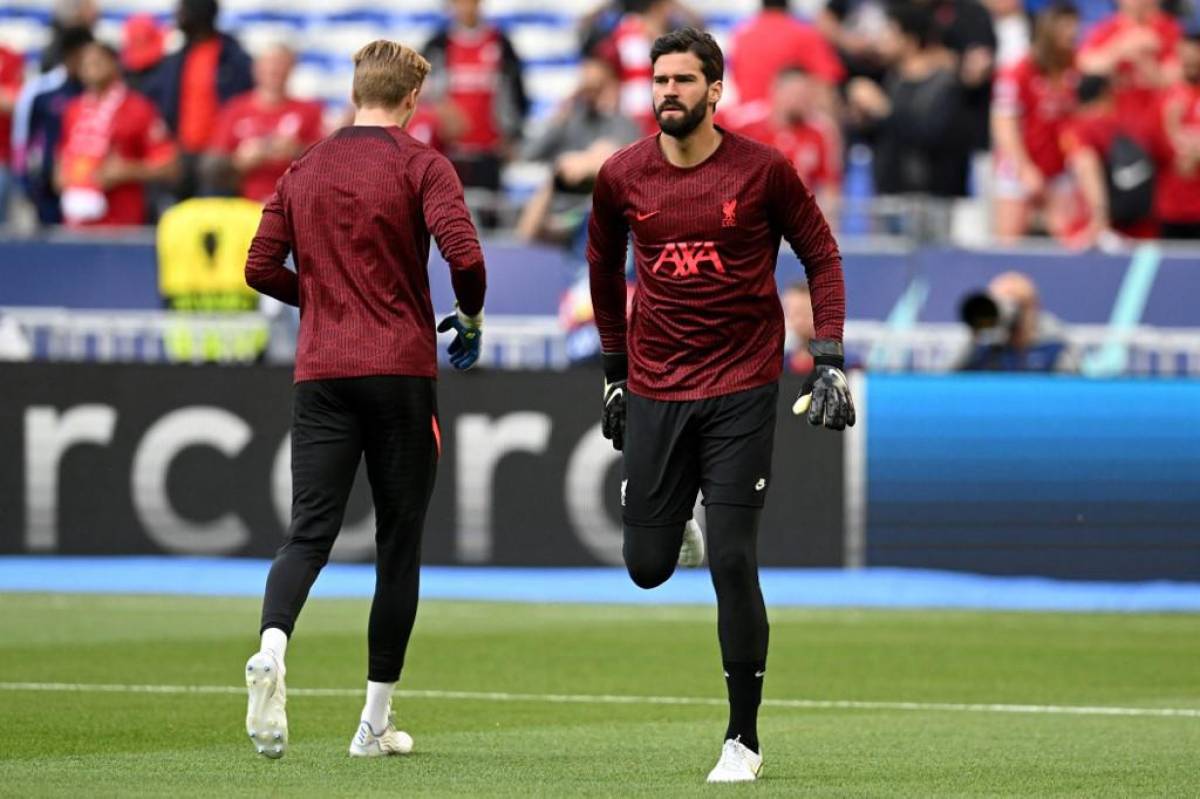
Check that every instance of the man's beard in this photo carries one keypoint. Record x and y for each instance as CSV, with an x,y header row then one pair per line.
x,y
682,126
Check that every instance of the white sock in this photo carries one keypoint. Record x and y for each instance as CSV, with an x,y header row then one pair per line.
x,y
375,711
275,641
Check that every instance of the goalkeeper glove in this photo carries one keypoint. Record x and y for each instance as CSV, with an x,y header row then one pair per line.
x,y
825,395
612,419
464,350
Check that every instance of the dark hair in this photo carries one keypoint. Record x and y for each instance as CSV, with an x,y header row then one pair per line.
x,y
696,42
638,6
1044,49
780,4
1091,88
915,22
1060,8
203,12
73,39
107,49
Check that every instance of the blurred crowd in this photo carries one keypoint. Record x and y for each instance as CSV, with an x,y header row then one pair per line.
x,y
1085,133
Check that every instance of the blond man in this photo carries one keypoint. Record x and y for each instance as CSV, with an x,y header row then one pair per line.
x,y
356,211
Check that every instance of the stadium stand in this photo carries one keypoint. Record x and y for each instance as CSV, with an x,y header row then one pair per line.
x,y
905,289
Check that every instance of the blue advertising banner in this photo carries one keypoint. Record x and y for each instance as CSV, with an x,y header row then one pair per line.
x,y
1061,477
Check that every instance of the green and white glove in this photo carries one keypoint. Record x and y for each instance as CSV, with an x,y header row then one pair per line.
x,y
464,350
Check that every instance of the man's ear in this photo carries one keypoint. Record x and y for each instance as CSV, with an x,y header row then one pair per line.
x,y
714,92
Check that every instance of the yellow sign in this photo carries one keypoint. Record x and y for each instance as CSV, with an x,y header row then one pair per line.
x,y
202,246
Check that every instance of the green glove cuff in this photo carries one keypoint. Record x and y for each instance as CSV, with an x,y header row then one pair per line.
x,y
475,321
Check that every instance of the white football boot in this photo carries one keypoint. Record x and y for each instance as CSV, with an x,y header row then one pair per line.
x,y
691,552
389,742
266,712
737,764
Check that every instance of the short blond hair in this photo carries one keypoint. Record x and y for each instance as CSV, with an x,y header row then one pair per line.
x,y
385,73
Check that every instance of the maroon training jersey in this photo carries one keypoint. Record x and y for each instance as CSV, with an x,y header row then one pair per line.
x,y
706,318
357,209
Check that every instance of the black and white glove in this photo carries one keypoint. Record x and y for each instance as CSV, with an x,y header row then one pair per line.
x,y
825,396
612,418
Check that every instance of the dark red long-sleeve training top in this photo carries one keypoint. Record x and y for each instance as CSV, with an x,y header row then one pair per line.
x,y
357,210
706,318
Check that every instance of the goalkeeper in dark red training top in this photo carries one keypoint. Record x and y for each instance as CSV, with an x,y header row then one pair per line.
x,y
356,211
691,379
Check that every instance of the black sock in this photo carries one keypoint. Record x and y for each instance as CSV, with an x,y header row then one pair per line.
x,y
744,682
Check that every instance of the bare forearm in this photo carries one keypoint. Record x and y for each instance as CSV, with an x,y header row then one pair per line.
x,y
1007,133
1086,167
158,172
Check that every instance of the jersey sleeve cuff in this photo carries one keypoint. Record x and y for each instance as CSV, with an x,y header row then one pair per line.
x,y
616,366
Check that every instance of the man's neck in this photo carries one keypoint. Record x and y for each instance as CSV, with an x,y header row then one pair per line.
x,y
100,91
382,117
919,64
693,149
270,99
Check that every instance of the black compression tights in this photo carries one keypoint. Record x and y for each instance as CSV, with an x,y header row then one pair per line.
x,y
732,536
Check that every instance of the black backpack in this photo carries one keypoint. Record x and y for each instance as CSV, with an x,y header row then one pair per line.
x,y
1130,178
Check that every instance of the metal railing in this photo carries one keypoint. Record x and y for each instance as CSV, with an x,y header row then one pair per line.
x,y
62,334
539,342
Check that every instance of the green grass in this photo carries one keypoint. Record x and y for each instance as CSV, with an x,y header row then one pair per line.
x,y
175,745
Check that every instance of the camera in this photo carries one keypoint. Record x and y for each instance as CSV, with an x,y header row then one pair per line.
x,y
992,320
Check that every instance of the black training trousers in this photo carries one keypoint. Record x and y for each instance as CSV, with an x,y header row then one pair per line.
x,y
392,421
721,446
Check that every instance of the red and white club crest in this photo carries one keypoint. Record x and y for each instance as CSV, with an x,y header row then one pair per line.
x,y
729,213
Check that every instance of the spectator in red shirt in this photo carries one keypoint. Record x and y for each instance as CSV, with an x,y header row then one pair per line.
x,y
258,134
773,39
1034,98
426,126
11,72
629,48
1136,49
477,74
1088,139
792,122
113,144
1178,200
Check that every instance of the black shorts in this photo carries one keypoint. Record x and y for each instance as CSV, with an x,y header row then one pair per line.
x,y
721,446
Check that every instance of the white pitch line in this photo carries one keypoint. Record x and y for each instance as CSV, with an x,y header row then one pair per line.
x,y
625,699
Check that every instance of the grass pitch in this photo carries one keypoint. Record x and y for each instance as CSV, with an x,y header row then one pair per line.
x,y
74,740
